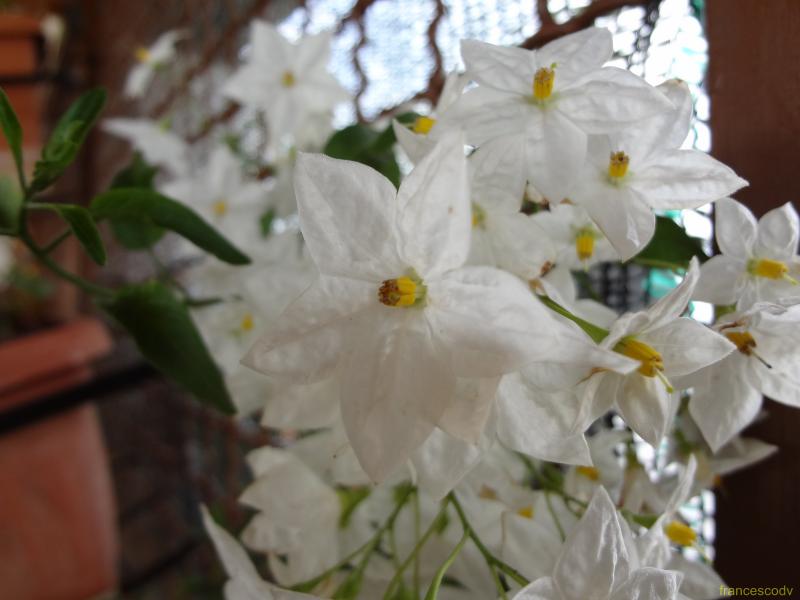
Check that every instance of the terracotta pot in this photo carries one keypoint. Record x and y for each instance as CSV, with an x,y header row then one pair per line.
x,y
58,537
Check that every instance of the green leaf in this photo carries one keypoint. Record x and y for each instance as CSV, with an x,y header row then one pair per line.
x,y
671,247
363,144
145,206
10,205
266,222
12,131
166,336
67,138
82,225
136,234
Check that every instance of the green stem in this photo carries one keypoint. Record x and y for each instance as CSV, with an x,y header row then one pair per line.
x,y
414,555
57,241
490,558
368,546
555,517
598,334
433,590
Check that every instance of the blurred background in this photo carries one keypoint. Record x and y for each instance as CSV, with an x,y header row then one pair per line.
x,y
103,463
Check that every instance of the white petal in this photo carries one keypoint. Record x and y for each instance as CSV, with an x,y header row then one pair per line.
x,y
686,346
779,383
434,217
497,175
700,581
777,233
620,213
529,545
270,48
647,407
539,424
597,395
508,69
724,401
594,560
541,589
485,114
395,384
675,179
674,304
466,416
302,406
609,99
138,80
577,54
735,228
442,461
234,558
305,343
415,145
312,52
555,148
722,279
650,584
347,215
518,245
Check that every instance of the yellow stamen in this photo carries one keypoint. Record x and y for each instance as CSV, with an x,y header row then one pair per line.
x,y
746,344
543,82
588,472
402,291
584,244
478,216
247,322
220,207
770,269
618,165
423,125
526,511
650,359
288,79
142,54
680,534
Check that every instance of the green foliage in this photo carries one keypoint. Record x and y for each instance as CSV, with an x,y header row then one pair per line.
x,y
134,233
82,224
10,204
266,222
166,336
67,138
363,144
12,131
671,247
148,207
350,499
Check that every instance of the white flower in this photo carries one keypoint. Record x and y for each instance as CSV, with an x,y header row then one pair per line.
x,y
579,243
244,582
392,314
596,563
421,136
224,197
159,146
727,396
667,346
150,60
641,168
287,81
758,261
552,98
502,236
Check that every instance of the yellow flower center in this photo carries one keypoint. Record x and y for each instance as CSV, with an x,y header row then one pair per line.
x,y
403,291
247,323
220,208
478,216
584,243
618,165
770,269
423,125
588,472
142,54
526,511
543,81
680,534
650,359
288,79
743,341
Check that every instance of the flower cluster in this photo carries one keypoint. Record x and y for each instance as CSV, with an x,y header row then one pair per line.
x,y
431,340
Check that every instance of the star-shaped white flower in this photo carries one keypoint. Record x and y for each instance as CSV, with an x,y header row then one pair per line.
x,y
596,563
159,146
223,196
287,81
552,98
641,168
758,260
150,60
393,314
667,346
727,395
